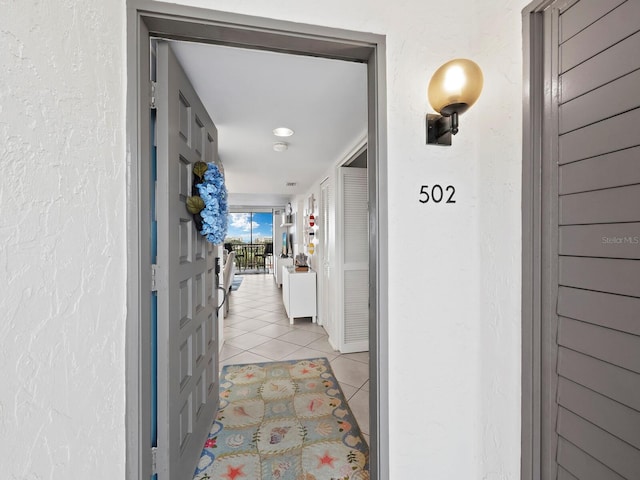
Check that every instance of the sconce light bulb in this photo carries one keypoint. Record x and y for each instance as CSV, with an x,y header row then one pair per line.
x,y
455,86
454,79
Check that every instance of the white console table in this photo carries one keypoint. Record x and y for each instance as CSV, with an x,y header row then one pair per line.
x,y
278,263
299,293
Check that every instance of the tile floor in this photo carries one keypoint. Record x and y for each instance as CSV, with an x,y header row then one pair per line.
x,y
257,330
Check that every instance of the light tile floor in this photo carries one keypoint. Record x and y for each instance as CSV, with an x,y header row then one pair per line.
x,y
258,330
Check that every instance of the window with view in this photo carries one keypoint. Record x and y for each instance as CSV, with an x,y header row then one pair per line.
x,y
250,236
250,228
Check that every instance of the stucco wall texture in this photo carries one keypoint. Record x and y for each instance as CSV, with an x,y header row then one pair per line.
x,y
62,239
454,310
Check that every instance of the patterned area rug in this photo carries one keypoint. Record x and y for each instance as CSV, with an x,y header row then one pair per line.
x,y
283,421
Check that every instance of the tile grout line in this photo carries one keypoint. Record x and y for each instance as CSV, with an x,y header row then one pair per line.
x,y
283,321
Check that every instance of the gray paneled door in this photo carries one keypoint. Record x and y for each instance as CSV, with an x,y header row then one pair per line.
x,y
591,243
187,318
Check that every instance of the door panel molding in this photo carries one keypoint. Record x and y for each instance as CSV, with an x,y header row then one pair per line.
x,y
538,361
187,291
146,19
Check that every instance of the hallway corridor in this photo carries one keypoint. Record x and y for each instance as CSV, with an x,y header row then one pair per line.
x,y
258,330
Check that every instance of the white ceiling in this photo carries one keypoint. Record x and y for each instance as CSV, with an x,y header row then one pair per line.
x,y
248,93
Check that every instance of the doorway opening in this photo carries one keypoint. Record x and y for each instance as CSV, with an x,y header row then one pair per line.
x,y
165,21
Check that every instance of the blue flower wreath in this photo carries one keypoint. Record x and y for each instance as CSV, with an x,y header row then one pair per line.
x,y
210,209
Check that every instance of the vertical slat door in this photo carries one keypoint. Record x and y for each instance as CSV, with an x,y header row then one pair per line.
x,y
597,379
187,293
354,268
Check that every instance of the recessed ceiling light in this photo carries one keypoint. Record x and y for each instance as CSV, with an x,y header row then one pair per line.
x,y
280,146
282,132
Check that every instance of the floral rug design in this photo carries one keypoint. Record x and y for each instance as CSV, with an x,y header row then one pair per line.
x,y
283,421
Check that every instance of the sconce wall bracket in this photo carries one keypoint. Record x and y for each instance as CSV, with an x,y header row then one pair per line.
x,y
438,130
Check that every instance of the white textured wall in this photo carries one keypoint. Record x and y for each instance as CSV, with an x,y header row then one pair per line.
x,y
499,147
62,239
454,305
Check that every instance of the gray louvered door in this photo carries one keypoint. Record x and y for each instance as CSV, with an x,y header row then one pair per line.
x,y
593,323
187,318
354,264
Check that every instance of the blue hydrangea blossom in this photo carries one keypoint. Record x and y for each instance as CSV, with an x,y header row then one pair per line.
x,y
214,215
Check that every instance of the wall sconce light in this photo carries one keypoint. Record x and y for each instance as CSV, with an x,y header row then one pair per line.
x,y
454,87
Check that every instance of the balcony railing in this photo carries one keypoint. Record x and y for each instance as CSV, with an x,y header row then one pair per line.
x,y
250,256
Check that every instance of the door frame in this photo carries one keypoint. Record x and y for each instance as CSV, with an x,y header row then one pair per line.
x,y
539,290
146,19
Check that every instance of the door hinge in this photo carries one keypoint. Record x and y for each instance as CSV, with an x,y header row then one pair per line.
x,y
152,102
154,460
154,277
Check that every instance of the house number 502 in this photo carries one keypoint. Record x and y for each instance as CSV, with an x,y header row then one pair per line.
x,y
436,193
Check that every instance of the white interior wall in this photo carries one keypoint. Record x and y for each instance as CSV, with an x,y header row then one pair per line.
x,y
330,173
277,232
454,270
499,147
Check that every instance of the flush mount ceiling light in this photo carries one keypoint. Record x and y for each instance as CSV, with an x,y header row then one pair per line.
x,y
454,87
280,146
282,132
